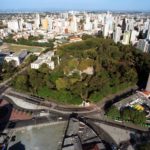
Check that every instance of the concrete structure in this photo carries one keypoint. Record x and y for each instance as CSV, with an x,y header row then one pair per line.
x,y
17,57
148,32
134,35
37,21
106,30
13,25
44,58
87,25
117,34
126,38
143,45
73,24
148,84
45,23
80,136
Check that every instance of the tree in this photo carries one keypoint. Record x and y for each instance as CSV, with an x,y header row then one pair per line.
x,y
134,116
115,67
44,68
48,82
30,59
126,114
21,83
56,74
62,84
113,112
33,74
8,69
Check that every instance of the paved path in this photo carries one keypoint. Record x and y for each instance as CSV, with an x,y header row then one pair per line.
x,y
24,104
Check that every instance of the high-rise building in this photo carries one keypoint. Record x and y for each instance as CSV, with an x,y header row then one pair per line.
x,y
108,25
117,34
13,25
95,24
106,30
146,26
37,21
88,24
28,26
45,23
73,24
50,24
134,35
131,24
124,25
148,32
143,45
126,38
20,22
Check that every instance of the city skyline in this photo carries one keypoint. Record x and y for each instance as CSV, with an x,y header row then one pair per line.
x,y
117,5
74,74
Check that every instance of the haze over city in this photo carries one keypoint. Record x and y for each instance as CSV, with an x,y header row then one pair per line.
x,y
127,5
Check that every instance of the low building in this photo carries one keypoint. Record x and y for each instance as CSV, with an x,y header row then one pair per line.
x,y
74,39
44,59
17,57
36,64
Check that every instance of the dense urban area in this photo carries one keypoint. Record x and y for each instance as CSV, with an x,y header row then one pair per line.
x,y
88,72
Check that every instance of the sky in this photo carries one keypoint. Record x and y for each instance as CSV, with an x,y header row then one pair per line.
x,y
75,5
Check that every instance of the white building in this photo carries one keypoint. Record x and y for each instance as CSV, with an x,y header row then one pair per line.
x,y
148,33
37,21
117,34
88,24
73,25
50,24
17,57
106,30
20,24
146,26
44,59
126,38
13,25
134,35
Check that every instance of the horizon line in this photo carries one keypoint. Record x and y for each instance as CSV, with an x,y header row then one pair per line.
x,y
57,10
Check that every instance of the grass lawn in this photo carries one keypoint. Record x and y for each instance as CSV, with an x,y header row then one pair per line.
x,y
17,48
64,97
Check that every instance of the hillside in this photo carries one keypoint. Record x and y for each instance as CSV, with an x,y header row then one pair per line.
x,y
88,70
